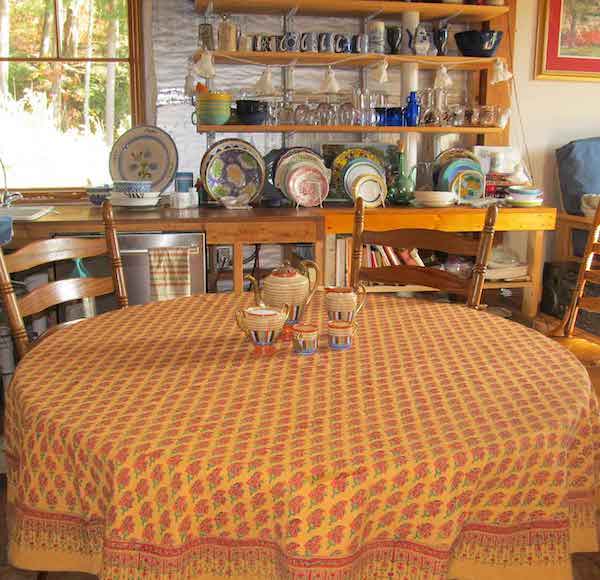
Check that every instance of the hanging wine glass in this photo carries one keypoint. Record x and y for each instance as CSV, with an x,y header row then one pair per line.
x,y
430,115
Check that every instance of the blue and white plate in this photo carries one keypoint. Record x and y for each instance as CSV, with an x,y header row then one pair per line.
x,y
144,153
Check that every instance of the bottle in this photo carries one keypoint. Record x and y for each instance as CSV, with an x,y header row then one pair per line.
x,y
413,110
403,185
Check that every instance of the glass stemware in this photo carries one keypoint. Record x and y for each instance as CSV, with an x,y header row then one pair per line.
x,y
430,116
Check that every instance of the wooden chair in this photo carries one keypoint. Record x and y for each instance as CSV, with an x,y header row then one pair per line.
x,y
587,351
471,288
47,252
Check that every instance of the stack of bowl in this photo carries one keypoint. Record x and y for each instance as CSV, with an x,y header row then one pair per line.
x,y
435,198
98,195
213,108
522,196
251,112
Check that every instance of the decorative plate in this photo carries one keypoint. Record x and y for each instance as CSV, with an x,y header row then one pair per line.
x,y
468,185
357,168
224,145
518,203
291,156
307,186
343,159
449,172
235,173
144,153
371,188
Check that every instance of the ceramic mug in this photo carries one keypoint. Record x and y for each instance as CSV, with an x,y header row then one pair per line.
x,y
360,43
344,303
290,42
245,43
340,334
274,43
394,38
376,30
326,42
309,42
305,338
184,181
260,42
206,36
261,324
342,43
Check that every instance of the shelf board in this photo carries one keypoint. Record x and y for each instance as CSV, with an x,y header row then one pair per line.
x,y
346,60
344,129
358,8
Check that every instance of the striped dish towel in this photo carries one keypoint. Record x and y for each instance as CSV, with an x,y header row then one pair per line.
x,y
169,273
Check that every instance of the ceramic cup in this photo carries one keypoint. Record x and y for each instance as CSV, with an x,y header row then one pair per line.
x,y
274,43
342,43
245,43
309,42
360,43
260,42
326,43
376,30
290,42
206,36
305,338
344,303
261,324
394,38
184,181
340,334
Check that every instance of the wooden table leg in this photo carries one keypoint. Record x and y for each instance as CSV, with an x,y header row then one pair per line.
x,y
320,260
535,256
238,268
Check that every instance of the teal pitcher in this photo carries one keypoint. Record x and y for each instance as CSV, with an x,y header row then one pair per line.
x,y
403,186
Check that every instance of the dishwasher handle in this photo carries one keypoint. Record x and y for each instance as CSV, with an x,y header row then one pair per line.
x,y
194,251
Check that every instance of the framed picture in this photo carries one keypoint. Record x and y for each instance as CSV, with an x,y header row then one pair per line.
x,y
568,46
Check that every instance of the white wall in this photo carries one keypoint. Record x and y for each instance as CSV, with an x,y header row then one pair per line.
x,y
553,112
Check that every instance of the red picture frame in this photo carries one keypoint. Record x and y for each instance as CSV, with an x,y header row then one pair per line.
x,y
569,40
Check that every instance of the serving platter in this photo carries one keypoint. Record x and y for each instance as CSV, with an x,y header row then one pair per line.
x,y
144,153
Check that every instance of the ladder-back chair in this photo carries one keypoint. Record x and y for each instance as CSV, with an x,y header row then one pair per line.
x,y
47,252
471,288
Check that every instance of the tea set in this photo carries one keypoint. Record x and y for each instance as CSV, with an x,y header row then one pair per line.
x,y
280,307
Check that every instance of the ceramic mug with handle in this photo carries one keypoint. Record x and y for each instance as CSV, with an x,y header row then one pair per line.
x,y
309,42
344,303
341,334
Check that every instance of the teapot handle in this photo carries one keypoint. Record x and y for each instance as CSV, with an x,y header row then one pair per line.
x,y
361,292
241,322
256,288
305,266
285,311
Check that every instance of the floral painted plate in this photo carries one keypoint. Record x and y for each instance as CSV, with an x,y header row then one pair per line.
x,y
451,170
291,157
343,159
224,145
468,186
235,174
144,153
307,185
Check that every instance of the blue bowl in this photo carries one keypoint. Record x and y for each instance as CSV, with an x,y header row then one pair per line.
x,y
524,190
132,187
479,43
98,195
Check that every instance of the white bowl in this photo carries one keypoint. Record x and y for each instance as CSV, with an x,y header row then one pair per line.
x,y
433,198
141,194
525,198
588,211
590,200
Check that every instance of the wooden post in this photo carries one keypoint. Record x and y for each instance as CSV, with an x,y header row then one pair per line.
x,y
357,246
535,257
238,268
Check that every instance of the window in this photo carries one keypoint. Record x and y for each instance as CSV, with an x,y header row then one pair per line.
x,y
70,74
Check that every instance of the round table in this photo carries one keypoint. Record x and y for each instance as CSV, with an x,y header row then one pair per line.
x,y
152,443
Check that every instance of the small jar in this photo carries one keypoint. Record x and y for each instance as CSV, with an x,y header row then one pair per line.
x,y
488,116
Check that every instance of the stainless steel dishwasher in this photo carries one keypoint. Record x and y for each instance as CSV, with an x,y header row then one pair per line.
x,y
134,252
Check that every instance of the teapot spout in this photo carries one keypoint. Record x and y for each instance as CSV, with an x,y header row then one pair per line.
x,y
255,287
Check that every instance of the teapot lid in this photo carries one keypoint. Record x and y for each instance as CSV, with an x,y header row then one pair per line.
x,y
286,270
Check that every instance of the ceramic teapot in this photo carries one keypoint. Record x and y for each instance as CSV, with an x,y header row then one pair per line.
x,y
287,286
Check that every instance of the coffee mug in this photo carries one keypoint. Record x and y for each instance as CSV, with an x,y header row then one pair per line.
x,y
344,303
290,42
326,42
377,36
206,36
360,43
245,43
394,38
340,334
309,42
342,43
305,339
184,181
262,325
260,42
274,43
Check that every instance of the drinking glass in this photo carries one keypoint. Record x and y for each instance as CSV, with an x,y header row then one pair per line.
x,y
349,115
488,116
456,115
430,115
326,114
302,114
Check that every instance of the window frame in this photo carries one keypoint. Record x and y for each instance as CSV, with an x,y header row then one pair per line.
x,y
136,88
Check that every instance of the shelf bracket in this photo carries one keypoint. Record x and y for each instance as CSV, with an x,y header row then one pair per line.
x,y
374,15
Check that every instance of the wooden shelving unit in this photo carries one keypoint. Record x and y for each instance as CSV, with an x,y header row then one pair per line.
x,y
345,129
359,8
347,60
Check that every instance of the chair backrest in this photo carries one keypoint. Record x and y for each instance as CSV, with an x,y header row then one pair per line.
x,y
586,274
471,288
49,295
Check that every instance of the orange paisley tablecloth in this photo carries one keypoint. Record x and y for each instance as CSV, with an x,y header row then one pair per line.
x,y
448,443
